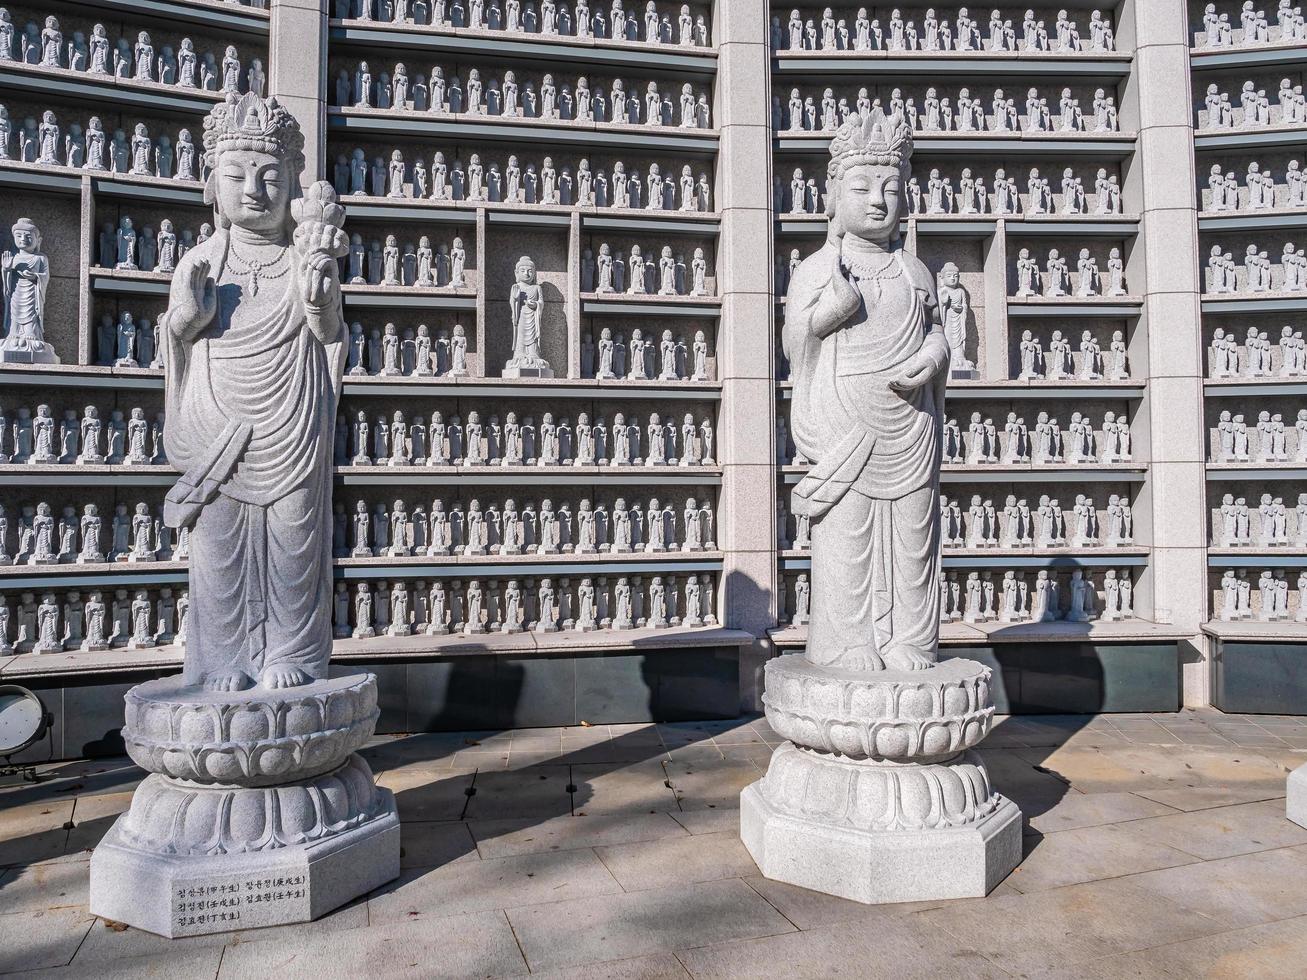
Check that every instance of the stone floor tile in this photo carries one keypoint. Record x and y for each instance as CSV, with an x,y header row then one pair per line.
x,y
508,838
1075,810
657,966
34,831
745,735
621,788
482,757
434,843
707,782
1190,798
893,947
809,909
1089,854
758,753
1224,831
623,749
681,860
476,945
1240,891
1032,934
39,938
476,886
175,963
537,791
571,933
715,821
708,751
429,796
92,817
44,885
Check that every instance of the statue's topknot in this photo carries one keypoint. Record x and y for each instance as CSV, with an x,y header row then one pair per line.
x,y
878,140
249,122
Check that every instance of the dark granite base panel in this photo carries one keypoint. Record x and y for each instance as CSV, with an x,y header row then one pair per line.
x,y
1260,678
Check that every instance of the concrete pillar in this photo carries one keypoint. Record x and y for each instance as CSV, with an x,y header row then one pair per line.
x,y
1169,238
747,510
297,75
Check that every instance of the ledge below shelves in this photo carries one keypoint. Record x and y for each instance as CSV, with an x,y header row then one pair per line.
x,y
1253,631
980,634
1105,65
1018,473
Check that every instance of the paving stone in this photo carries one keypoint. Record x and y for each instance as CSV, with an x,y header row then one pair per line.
x,y
44,885
621,788
167,964
507,838
1032,934
479,945
1224,831
34,831
711,783
538,791
892,947
1089,854
1192,798
429,796
39,938
563,934
1075,810
658,966
475,886
714,821
92,817
434,843
677,861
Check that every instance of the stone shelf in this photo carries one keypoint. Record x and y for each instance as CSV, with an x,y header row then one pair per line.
x,y
1256,557
1058,146
367,207
1255,57
75,475
64,84
601,221
1075,306
81,376
357,297
1018,473
651,304
1269,219
1256,471
213,15
524,476
463,128
1076,226
129,283
1253,387
133,189
1244,630
1016,389
1253,303
1013,558
54,177
1249,140
392,648
1110,66
458,42
978,634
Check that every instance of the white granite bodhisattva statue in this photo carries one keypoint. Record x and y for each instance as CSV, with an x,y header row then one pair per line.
x,y
876,796
26,276
252,749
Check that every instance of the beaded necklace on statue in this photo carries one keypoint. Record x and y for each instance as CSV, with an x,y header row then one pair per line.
x,y
256,271
862,268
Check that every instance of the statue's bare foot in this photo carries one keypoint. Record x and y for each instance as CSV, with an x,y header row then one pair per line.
x,y
866,659
227,680
907,660
276,677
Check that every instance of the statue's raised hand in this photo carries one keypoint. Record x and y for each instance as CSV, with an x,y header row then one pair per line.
x,y
320,269
192,300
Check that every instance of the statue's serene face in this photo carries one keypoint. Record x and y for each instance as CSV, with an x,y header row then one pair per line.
x,y
526,274
868,200
253,190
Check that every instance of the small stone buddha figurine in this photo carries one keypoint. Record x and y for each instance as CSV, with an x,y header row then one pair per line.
x,y
25,275
955,308
527,305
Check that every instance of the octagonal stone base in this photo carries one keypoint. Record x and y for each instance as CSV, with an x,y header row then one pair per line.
x,y
190,895
881,866
1295,800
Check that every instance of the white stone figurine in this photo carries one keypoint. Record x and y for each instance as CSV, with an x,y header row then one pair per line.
x,y
864,335
526,302
955,308
251,388
25,275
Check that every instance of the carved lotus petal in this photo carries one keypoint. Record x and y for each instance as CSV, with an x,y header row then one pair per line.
x,y
249,724
936,739
917,702
957,700
892,742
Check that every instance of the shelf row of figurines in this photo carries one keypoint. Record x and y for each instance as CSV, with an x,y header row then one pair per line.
x,y
516,605
936,195
124,247
827,113
644,23
445,94
1254,27
1256,111
1011,597
1233,601
1057,279
1257,357
137,620
1268,440
1016,444
1236,525
88,537
448,180
395,440
93,149
122,438
1263,192
1259,273
937,34
502,528
137,60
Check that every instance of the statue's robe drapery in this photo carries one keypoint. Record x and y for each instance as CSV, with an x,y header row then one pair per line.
x,y
250,405
873,490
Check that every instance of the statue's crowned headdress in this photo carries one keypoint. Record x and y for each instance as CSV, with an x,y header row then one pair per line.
x,y
878,140
249,122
